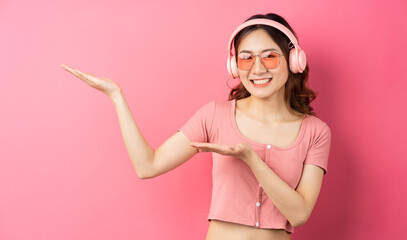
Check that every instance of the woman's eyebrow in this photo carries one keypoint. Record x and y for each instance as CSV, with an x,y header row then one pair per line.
x,y
265,50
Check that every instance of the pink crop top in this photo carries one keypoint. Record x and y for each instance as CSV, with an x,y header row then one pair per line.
x,y
237,196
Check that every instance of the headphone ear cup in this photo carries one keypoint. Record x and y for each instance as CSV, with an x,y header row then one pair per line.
x,y
228,66
233,67
302,60
298,60
293,60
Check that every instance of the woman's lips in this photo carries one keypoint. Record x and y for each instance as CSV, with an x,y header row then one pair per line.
x,y
262,83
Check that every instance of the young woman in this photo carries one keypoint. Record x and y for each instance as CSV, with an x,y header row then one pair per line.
x,y
270,151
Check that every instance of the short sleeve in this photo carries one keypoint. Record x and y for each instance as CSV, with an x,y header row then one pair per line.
x,y
198,127
318,153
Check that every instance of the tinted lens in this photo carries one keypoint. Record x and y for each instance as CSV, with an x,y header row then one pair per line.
x,y
271,60
245,62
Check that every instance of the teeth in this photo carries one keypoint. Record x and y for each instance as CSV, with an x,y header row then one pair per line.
x,y
261,81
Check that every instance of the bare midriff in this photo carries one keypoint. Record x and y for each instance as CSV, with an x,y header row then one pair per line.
x,y
221,230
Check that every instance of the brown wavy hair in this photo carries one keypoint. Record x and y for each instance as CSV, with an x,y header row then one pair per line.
x,y
297,95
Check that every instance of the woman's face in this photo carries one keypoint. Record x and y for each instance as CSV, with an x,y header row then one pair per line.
x,y
256,42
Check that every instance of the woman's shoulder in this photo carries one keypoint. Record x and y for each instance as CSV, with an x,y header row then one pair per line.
x,y
214,107
319,135
218,101
316,125
220,105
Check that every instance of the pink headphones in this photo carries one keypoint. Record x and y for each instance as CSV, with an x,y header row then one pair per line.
x,y
297,57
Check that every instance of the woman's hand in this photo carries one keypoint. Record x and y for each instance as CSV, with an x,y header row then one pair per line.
x,y
105,85
241,150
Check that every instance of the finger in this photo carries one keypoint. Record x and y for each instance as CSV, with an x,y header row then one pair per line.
x,y
80,76
218,149
205,148
69,69
88,76
199,144
65,66
212,147
77,73
73,70
80,72
202,146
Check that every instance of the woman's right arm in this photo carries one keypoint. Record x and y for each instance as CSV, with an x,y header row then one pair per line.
x,y
148,162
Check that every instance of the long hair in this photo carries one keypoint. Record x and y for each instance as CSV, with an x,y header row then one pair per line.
x,y
297,95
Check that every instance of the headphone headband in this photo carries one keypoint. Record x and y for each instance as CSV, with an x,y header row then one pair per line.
x,y
266,22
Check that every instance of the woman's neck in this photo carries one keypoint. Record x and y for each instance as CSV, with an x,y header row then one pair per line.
x,y
272,109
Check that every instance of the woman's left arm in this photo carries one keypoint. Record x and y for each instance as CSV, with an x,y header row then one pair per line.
x,y
295,205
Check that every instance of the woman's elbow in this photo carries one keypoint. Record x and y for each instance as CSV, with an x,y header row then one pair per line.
x,y
301,220
298,223
144,174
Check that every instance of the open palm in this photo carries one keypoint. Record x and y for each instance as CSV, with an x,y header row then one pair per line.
x,y
240,150
105,85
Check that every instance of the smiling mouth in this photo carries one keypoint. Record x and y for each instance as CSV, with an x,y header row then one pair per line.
x,y
262,81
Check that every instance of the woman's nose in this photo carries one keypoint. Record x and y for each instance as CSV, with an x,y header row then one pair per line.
x,y
258,66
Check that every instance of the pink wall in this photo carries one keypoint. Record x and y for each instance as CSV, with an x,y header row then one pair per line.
x,y
64,169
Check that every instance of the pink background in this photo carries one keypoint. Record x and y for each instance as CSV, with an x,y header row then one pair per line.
x,y
64,169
